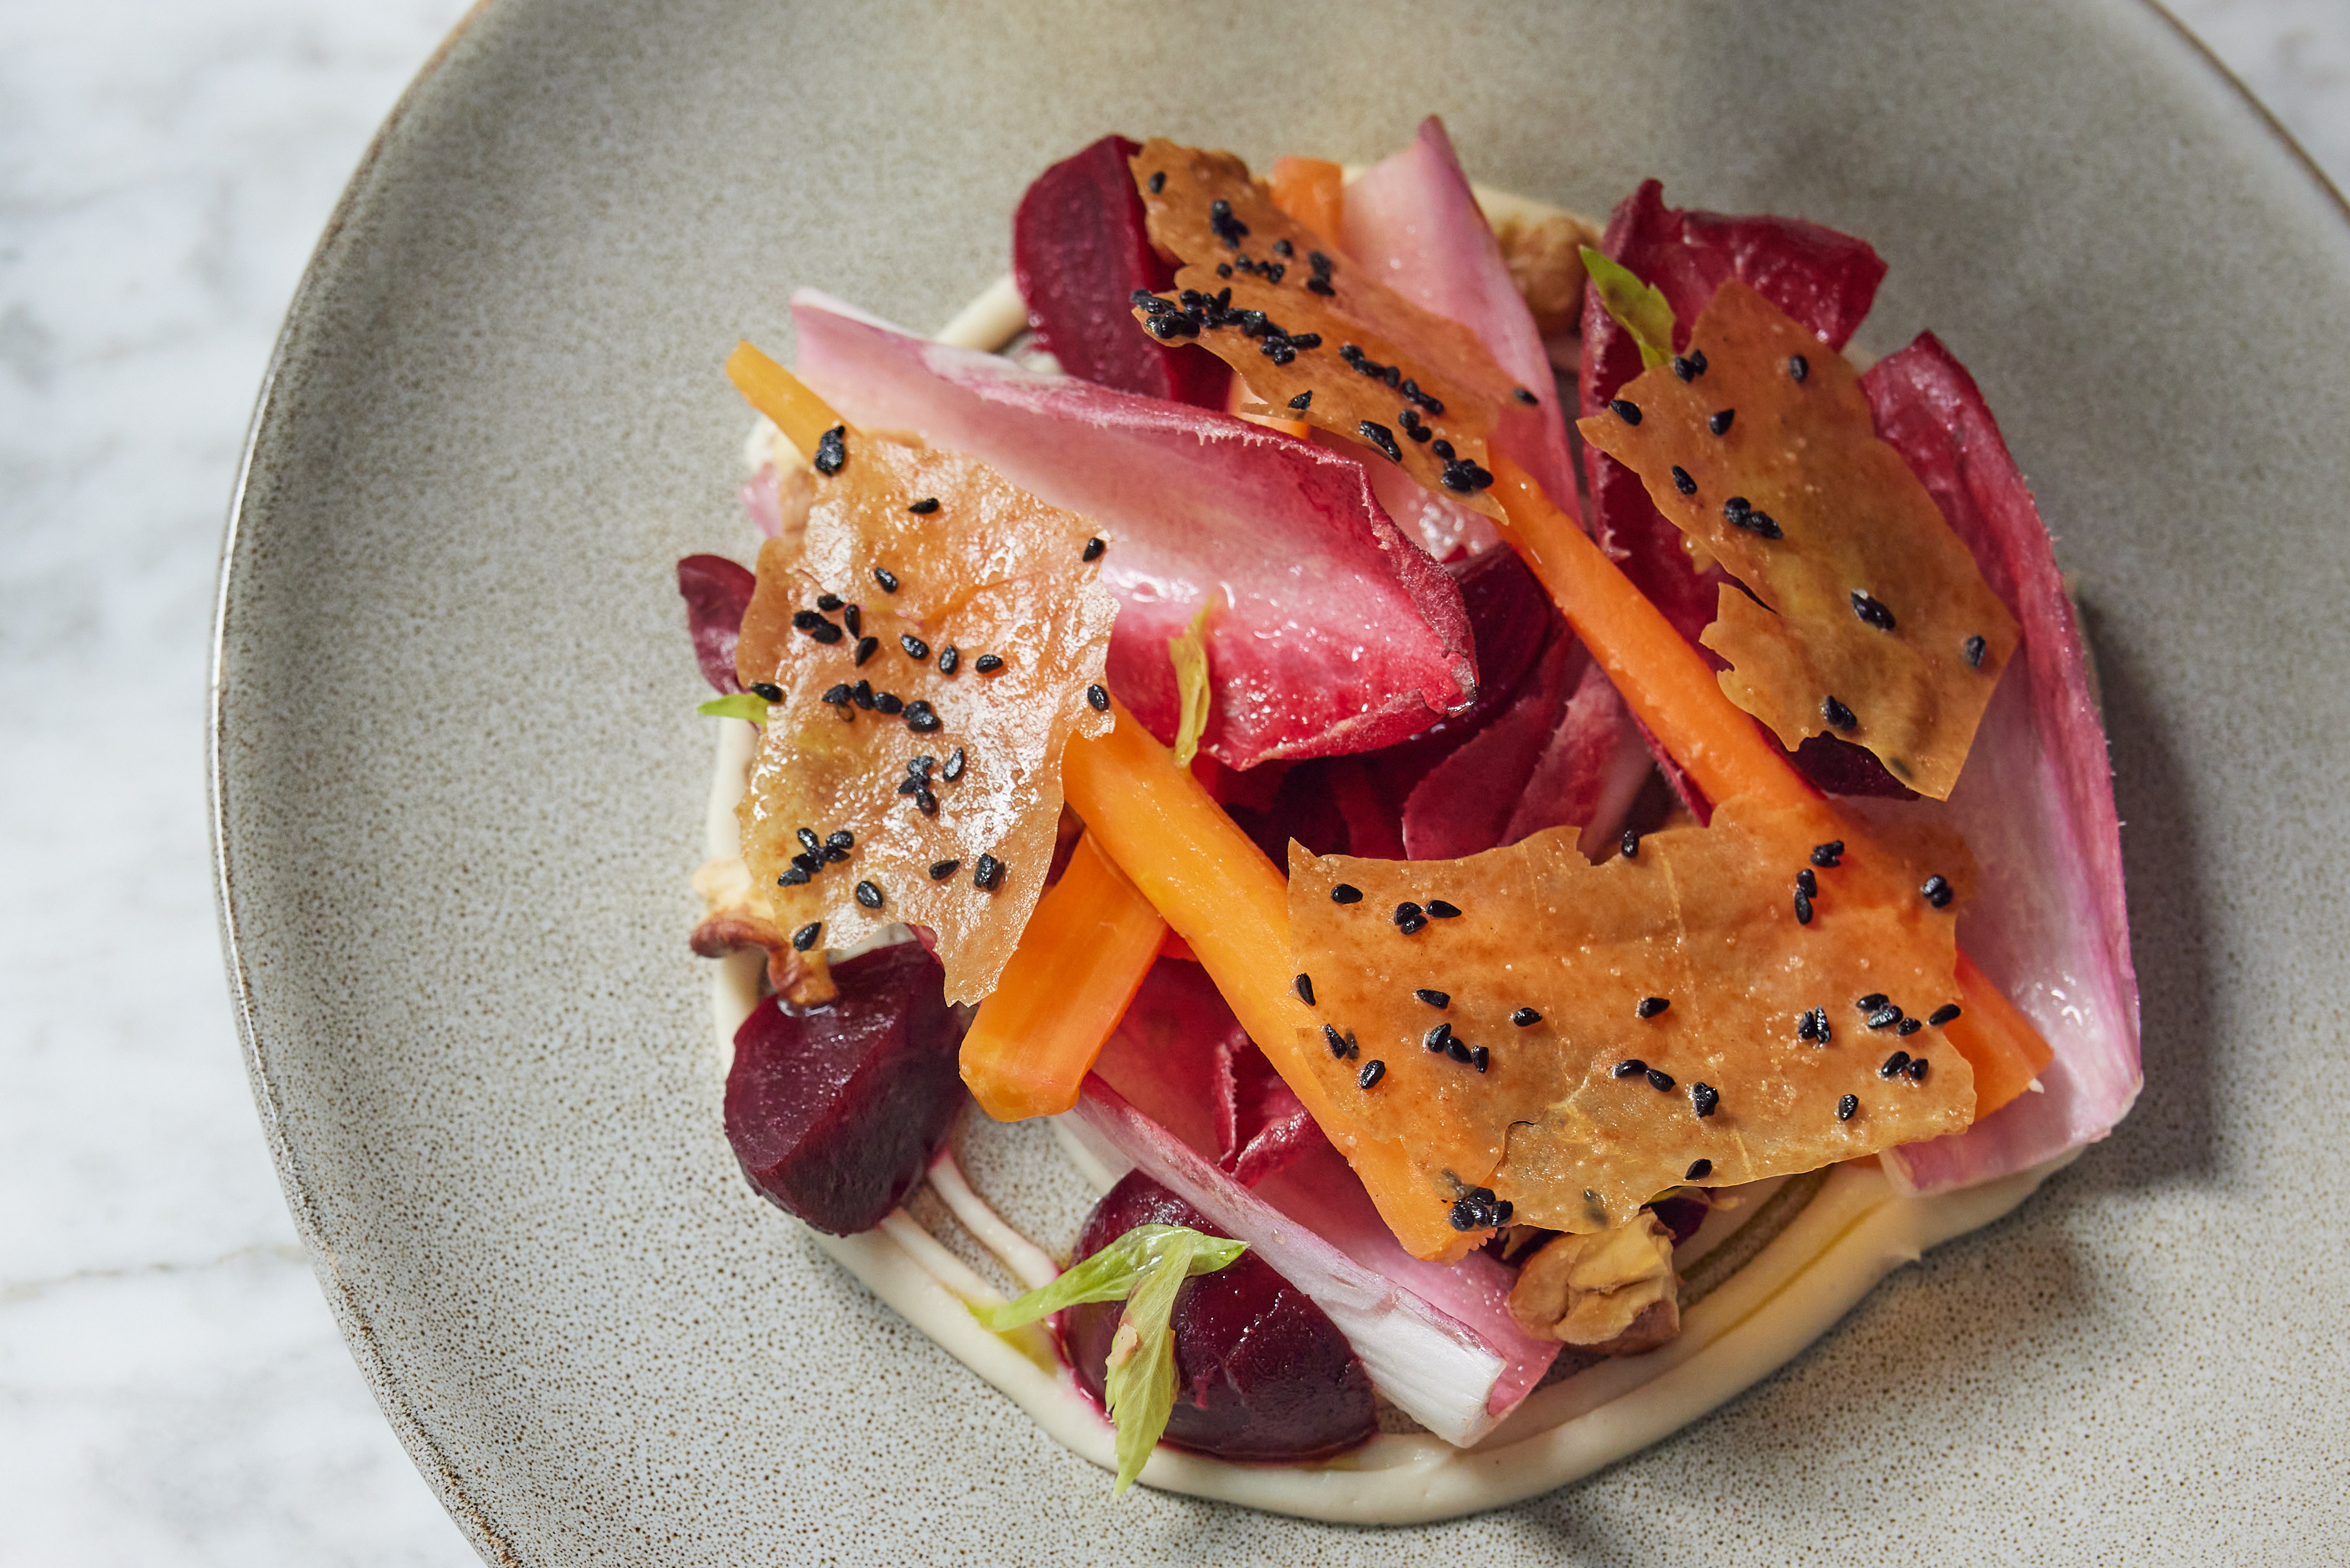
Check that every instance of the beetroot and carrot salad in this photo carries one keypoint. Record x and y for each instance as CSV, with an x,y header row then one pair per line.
x,y
1436,842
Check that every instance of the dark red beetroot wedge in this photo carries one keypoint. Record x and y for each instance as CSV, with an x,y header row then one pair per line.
x,y
1079,250
1261,1373
836,1111
717,591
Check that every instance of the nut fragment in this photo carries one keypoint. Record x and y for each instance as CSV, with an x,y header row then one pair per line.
x,y
1613,1291
1545,255
740,919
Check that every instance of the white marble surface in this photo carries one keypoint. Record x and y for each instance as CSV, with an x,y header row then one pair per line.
x,y
171,1390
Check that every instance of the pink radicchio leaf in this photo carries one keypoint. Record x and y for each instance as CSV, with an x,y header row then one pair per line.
x,y
1589,771
1430,1365
1338,633
763,502
1823,279
1261,1124
716,591
2048,923
1413,219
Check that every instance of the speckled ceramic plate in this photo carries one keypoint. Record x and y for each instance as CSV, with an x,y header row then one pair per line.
x,y
460,782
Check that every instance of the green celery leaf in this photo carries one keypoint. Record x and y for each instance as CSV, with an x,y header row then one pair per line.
x,y
1111,1274
1140,1387
1639,308
1189,653
739,705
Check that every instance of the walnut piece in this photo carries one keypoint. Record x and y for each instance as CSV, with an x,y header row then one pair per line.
x,y
1613,1291
740,919
1544,256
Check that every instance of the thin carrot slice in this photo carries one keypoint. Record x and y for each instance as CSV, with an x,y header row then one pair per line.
x,y
1674,693
1084,953
1224,897
1312,191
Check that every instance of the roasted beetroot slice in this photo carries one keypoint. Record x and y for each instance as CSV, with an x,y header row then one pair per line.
x,y
717,591
1079,250
835,1112
1261,1373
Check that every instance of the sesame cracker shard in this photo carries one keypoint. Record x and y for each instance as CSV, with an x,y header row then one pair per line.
x,y
933,662
1610,1029
1313,336
1867,617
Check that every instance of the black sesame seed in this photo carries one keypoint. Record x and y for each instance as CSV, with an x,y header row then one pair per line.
x,y
1974,649
1434,998
1336,1042
1458,1049
1685,367
987,664
1525,397
1845,1107
1093,548
854,618
1304,986
840,841
1631,1067
1368,1079
1303,402
1871,610
942,869
987,874
1824,1033
1682,481
889,702
1649,1006
1438,1038
866,648
862,695
1917,1069
1481,1058
1697,358
910,787
1871,1003
1158,182
948,658
1719,423
808,840
807,620
805,938
887,578
831,451
1807,1026
1894,1064
1379,436
1346,893
1699,1170
1937,890
1525,1018
1703,1097
925,506
766,691
1412,925
1661,1082
1098,696
828,601
1825,856
1909,1026
1807,883
809,860
792,876
1837,714
1407,911
1946,1014
1438,909
1631,845
1319,285
1626,410
1283,248
921,765
927,801
1802,910
1798,366
953,769
1885,1017
869,895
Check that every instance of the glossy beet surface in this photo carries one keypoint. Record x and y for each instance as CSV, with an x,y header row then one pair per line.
x,y
1079,249
836,1111
1260,1372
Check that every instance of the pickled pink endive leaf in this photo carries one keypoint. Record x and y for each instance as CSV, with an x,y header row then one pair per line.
x,y
1413,219
1337,634
2048,924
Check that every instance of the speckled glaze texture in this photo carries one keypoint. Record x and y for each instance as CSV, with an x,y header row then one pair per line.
x,y
460,781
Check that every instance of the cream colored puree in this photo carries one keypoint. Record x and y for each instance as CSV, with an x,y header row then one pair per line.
x,y
1853,1231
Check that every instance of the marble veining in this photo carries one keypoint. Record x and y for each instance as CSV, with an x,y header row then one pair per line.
x,y
172,1387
